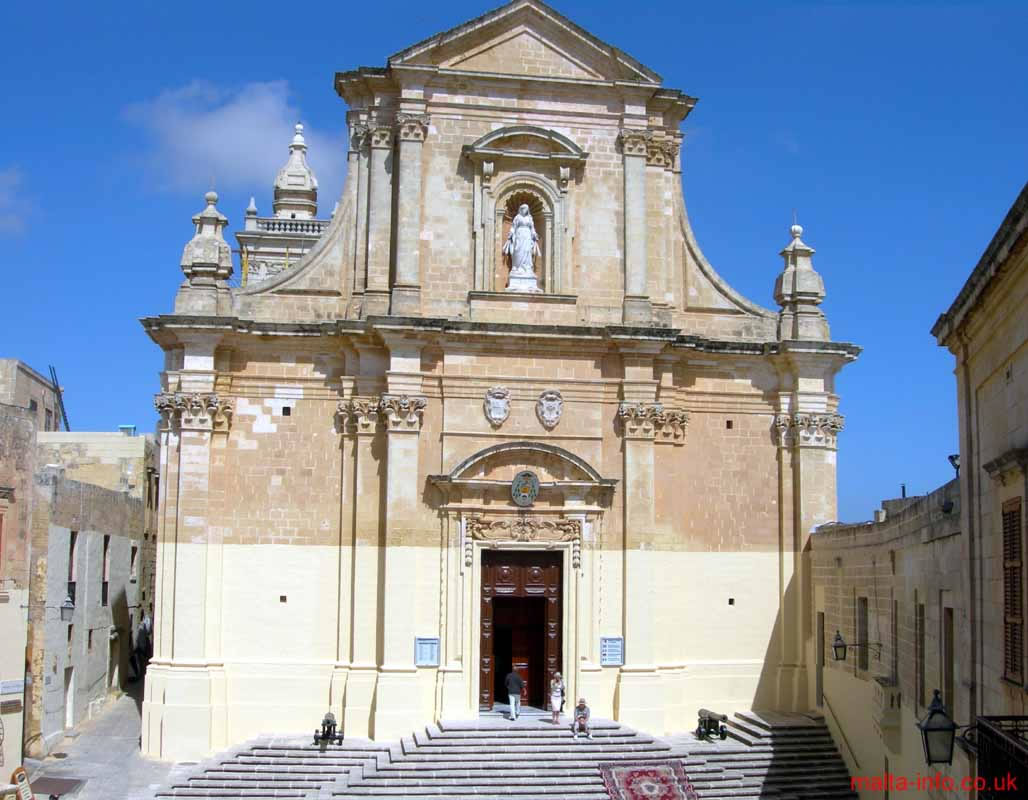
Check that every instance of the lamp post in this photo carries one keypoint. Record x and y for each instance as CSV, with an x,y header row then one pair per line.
x,y
938,731
954,461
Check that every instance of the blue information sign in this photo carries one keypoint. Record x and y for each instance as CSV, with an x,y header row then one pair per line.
x,y
612,651
426,651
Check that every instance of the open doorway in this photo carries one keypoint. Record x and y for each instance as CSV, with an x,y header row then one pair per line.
x,y
519,625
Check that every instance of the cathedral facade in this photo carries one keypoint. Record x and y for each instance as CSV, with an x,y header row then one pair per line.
x,y
503,415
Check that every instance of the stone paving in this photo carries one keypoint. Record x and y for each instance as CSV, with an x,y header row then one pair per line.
x,y
105,757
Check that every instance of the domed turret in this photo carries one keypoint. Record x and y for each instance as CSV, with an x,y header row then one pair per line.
x,y
296,188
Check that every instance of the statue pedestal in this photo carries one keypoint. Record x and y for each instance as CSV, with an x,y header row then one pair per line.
x,y
523,284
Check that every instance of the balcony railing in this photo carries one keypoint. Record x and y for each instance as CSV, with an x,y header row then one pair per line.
x,y
1002,756
311,227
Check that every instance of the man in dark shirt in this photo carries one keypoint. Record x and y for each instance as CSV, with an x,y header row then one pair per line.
x,y
514,685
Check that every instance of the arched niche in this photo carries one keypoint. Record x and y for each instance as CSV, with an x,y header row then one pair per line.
x,y
539,163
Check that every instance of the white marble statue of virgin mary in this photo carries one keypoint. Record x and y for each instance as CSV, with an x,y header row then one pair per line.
x,y
522,246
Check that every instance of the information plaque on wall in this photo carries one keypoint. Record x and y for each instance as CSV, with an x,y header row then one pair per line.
x,y
612,651
426,651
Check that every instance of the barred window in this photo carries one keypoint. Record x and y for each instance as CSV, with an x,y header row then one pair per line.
x,y
1013,621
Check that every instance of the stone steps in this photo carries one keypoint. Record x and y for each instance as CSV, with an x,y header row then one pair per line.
x,y
767,757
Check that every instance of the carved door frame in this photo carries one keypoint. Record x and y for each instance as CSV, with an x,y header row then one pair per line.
x,y
568,609
553,617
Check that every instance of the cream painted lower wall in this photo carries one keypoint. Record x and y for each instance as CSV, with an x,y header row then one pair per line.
x,y
274,666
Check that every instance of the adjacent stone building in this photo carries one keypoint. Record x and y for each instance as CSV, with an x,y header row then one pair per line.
x,y
28,403
893,589
503,415
930,596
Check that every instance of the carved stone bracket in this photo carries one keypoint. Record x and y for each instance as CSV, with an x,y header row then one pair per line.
x,y
402,413
358,414
807,430
412,127
524,529
193,410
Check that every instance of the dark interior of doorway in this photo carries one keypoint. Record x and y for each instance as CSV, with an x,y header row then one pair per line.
x,y
519,625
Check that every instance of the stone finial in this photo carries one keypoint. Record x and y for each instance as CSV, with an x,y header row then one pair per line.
x,y
296,188
207,256
799,290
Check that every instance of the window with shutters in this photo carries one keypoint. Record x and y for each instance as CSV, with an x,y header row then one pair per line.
x,y
1013,620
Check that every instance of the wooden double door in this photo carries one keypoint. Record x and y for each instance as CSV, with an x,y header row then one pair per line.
x,y
521,623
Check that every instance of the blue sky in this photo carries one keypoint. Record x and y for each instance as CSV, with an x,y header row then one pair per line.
x,y
896,130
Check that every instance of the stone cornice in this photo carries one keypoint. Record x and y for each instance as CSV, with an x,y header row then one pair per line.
x,y
164,330
193,410
807,430
1010,463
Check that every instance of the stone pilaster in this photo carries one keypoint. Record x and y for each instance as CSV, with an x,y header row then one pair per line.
x,y
639,698
358,162
185,684
359,418
411,130
637,309
398,689
380,212
806,448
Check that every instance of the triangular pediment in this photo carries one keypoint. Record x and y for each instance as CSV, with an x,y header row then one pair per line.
x,y
526,37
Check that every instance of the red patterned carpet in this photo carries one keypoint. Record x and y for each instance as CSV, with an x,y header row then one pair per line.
x,y
649,780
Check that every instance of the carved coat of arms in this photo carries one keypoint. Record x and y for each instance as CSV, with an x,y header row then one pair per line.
x,y
549,407
497,405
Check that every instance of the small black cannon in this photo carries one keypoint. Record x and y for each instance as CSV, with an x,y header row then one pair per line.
x,y
328,731
711,724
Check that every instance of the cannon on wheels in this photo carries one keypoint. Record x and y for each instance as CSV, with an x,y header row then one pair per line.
x,y
711,725
328,731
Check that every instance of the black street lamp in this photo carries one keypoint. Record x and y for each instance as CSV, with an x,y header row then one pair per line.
x,y
67,609
839,647
938,731
954,461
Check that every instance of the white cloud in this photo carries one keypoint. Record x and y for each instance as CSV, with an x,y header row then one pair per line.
x,y
12,210
239,138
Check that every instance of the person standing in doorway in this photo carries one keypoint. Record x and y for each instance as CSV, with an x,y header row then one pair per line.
x,y
556,696
514,685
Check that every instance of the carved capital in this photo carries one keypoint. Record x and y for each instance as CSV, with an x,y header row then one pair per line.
x,y
640,420
359,137
412,127
525,529
670,425
197,410
807,430
358,414
402,413
661,153
635,142
381,137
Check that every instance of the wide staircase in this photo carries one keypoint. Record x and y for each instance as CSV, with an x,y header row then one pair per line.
x,y
789,757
